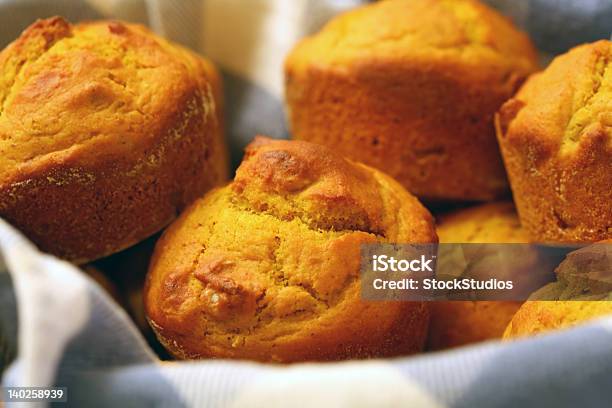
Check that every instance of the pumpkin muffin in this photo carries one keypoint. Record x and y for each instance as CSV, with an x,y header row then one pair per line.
x,y
583,292
106,133
267,268
556,140
411,87
457,323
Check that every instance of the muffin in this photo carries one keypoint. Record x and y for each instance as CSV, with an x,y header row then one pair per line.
x,y
486,223
583,292
456,323
267,267
106,133
411,87
556,140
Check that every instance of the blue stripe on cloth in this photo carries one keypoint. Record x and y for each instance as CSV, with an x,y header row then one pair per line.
x,y
206,384
567,368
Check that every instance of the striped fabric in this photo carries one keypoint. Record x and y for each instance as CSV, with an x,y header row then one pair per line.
x,y
72,334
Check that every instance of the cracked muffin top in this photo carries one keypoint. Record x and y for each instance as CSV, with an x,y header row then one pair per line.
x,y
109,86
566,106
267,267
107,132
464,31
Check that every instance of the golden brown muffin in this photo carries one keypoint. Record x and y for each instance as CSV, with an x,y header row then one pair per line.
x,y
267,268
583,291
486,223
106,133
411,87
556,139
456,323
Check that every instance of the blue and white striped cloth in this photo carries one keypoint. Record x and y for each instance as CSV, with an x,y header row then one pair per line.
x,y
72,334
68,332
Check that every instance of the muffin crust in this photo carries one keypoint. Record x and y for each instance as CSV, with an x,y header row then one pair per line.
x,y
457,323
267,268
411,87
556,140
581,293
106,132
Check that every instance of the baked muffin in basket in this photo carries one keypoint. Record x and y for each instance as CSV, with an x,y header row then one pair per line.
x,y
411,87
556,140
267,267
106,132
